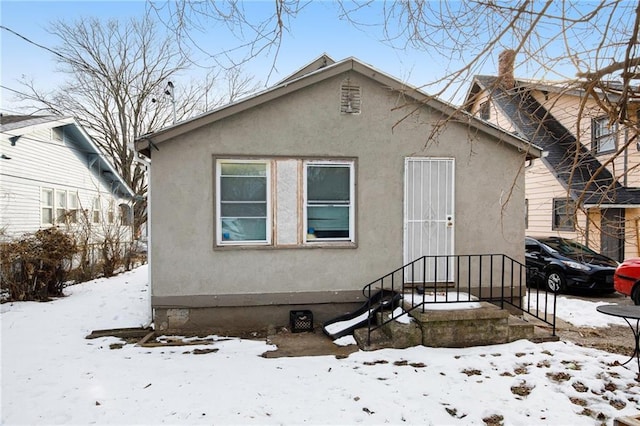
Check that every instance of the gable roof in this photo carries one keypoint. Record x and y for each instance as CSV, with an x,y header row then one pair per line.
x,y
571,163
14,127
312,74
320,62
10,122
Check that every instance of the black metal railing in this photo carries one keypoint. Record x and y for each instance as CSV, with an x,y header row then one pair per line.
x,y
494,278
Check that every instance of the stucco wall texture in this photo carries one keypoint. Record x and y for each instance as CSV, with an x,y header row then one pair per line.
x,y
489,197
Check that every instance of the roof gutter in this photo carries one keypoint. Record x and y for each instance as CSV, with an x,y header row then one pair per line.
x,y
612,206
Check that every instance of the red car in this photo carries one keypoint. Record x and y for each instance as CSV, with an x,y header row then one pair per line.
x,y
626,279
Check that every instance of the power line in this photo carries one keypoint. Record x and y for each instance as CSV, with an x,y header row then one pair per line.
x,y
33,42
12,90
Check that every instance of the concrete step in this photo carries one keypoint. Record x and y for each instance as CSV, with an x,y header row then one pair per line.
x,y
450,328
379,339
459,327
519,329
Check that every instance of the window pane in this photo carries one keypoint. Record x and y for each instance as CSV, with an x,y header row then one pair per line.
x,y
61,215
243,169
73,201
563,217
328,221
606,143
244,229
243,201
328,184
47,197
243,188
47,215
61,199
604,135
243,209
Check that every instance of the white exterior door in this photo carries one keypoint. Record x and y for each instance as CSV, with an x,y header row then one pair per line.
x,y
429,217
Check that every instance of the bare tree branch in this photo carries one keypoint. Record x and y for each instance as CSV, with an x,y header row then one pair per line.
x,y
117,87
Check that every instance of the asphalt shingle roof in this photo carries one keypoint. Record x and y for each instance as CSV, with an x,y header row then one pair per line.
x,y
571,163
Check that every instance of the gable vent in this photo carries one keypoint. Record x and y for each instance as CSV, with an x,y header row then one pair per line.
x,y
57,134
350,98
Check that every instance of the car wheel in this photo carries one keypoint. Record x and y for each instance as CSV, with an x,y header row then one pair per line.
x,y
635,295
555,282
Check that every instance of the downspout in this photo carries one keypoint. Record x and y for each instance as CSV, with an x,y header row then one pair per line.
x,y
587,228
638,236
147,162
626,157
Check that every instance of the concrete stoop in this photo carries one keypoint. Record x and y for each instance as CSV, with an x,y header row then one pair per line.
x,y
448,328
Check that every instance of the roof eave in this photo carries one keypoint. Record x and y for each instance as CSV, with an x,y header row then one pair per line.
x,y
122,186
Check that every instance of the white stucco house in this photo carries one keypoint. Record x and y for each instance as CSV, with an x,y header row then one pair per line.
x,y
53,174
300,195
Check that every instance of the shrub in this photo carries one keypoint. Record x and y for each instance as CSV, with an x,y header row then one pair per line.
x,y
35,266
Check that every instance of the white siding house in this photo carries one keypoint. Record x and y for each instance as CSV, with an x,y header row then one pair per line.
x,y
53,174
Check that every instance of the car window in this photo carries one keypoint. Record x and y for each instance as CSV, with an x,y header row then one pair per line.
x,y
568,247
549,248
532,248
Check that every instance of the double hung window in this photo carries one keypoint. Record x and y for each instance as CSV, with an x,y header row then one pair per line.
x,y
243,188
111,212
604,135
61,206
329,194
564,215
284,202
72,214
46,206
97,210
58,207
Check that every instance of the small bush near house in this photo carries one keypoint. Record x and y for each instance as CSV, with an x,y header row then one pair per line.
x,y
35,267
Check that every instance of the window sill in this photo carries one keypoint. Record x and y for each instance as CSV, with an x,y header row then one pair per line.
x,y
607,152
302,246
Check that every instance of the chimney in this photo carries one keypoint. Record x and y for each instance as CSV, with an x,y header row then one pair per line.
x,y
505,69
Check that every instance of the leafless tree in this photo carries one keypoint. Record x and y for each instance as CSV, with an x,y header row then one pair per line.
x,y
122,82
592,47
594,41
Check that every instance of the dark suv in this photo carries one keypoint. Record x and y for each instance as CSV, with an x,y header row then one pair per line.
x,y
561,264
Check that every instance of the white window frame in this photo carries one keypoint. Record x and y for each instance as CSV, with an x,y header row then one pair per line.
x,y
111,213
72,205
45,205
563,215
269,216
96,210
61,203
603,132
310,239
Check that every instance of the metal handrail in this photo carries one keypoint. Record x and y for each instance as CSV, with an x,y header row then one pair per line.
x,y
471,278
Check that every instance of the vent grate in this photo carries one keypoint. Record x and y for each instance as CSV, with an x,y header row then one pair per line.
x,y
350,99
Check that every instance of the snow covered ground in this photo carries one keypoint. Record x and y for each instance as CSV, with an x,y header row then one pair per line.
x,y
52,375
